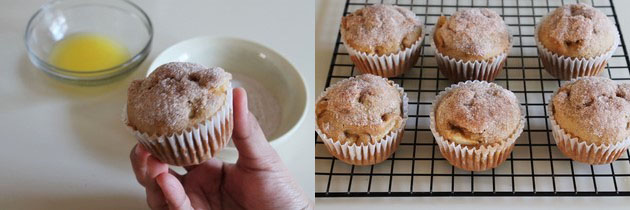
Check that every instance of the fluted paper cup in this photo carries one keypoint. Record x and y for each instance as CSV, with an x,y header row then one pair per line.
x,y
583,151
193,146
371,153
386,65
567,68
458,70
473,158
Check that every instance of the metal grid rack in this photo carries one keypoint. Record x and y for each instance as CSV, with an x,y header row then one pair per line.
x,y
535,167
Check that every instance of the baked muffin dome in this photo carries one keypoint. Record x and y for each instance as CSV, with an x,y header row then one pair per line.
x,y
477,114
577,30
471,34
381,29
594,109
360,110
176,97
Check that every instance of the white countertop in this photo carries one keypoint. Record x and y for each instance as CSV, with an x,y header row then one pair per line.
x,y
65,147
327,19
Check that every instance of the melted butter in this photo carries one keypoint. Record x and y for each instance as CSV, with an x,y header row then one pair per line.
x,y
88,52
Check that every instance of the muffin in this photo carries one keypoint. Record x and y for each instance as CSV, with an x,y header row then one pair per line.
x,y
575,40
475,124
383,40
471,45
361,119
590,119
182,112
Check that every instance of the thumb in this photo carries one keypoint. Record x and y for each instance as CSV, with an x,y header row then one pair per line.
x,y
254,151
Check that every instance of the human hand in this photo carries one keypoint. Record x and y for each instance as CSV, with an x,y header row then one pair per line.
x,y
258,180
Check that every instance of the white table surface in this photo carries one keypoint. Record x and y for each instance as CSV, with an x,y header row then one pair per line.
x,y
327,18
65,147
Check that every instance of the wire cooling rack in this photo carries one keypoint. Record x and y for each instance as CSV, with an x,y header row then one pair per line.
x,y
535,167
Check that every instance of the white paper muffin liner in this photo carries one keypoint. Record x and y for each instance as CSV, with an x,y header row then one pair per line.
x,y
567,68
473,158
583,151
385,65
369,154
194,146
458,70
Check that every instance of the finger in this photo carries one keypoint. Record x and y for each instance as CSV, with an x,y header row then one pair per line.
x,y
205,179
155,197
138,157
146,168
173,192
154,168
175,174
208,174
248,138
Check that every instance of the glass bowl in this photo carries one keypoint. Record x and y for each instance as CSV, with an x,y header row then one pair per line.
x,y
119,20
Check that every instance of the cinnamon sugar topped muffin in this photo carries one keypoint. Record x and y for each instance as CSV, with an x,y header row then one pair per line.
x,y
381,29
471,34
175,97
594,109
476,124
477,114
577,30
360,110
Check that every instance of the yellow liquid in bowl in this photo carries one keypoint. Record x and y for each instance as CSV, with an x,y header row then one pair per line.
x,y
88,52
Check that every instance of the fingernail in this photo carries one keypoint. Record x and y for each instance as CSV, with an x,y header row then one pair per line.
x,y
137,149
246,101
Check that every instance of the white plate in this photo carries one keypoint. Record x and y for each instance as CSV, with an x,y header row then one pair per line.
x,y
274,86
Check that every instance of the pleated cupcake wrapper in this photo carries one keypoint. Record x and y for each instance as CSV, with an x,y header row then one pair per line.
x,y
583,151
473,158
386,65
458,70
369,154
193,146
567,68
